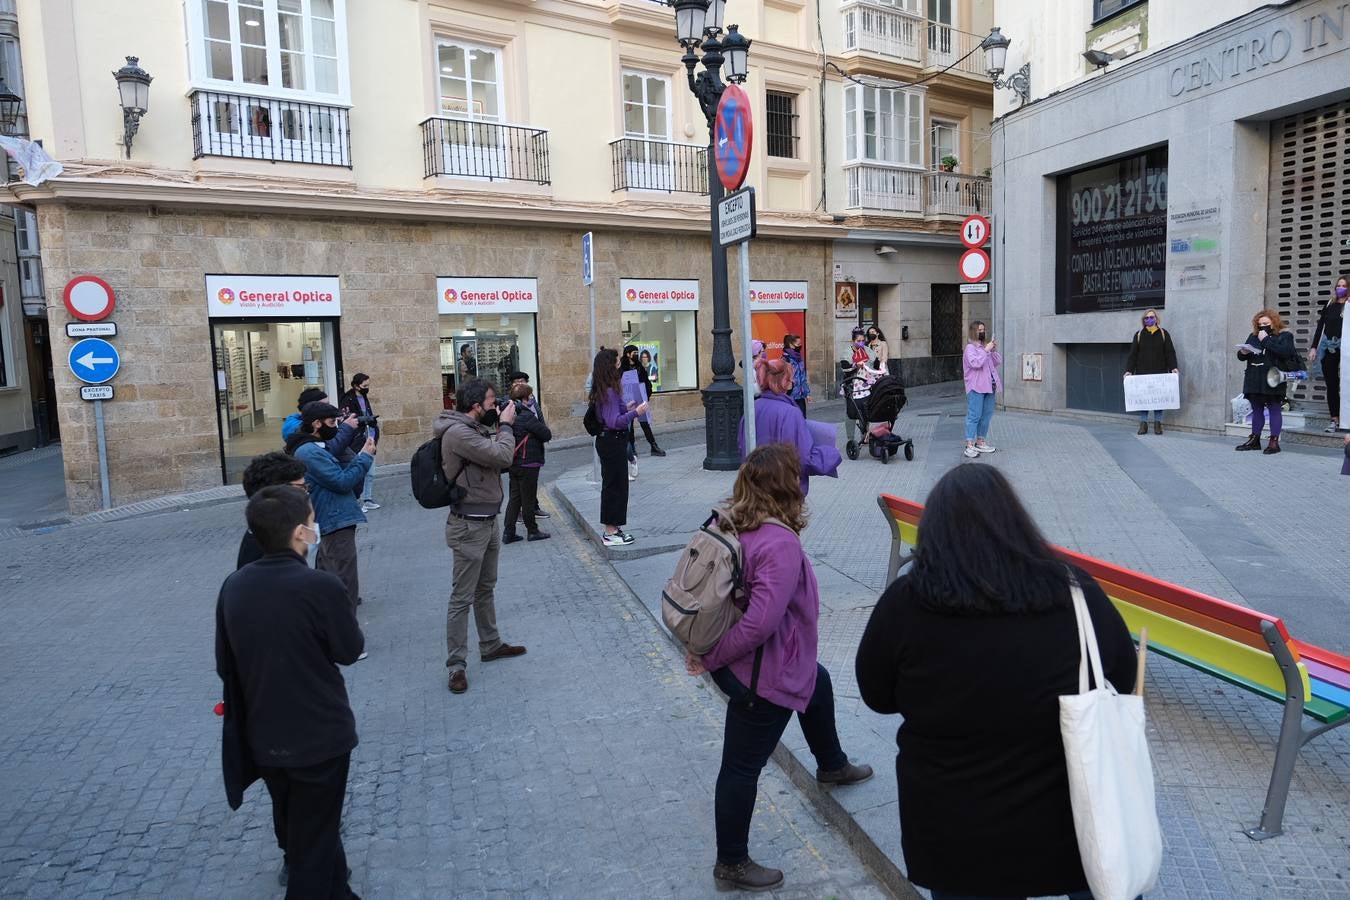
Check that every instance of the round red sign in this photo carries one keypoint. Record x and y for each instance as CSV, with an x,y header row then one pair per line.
x,y
974,265
974,231
89,298
733,136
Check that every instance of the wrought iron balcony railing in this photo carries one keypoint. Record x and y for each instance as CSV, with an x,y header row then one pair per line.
x,y
277,130
642,165
484,150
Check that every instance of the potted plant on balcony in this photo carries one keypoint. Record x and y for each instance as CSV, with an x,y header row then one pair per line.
x,y
949,163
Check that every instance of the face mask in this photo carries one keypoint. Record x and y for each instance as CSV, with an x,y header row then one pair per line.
x,y
1265,327
364,391
1341,291
981,335
860,343
1150,321
489,417
317,535
327,432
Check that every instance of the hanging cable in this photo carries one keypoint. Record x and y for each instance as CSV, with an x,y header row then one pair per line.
x,y
901,87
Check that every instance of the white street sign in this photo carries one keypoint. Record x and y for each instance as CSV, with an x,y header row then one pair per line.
x,y
96,392
91,329
736,217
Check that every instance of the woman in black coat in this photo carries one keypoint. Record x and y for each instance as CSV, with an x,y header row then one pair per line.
x,y
632,360
973,648
1274,349
1151,353
531,435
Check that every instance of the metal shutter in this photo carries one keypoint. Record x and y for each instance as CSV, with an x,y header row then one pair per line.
x,y
1309,223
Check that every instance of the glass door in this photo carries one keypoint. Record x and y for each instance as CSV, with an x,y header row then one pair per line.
x,y
940,33
646,123
261,368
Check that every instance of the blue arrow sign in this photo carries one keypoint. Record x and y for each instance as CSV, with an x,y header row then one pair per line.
x,y
94,360
587,259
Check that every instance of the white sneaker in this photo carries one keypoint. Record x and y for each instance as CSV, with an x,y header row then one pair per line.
x,y
1332,428
984,448
970,451
632,471
363,655
627,538
616,539
368,505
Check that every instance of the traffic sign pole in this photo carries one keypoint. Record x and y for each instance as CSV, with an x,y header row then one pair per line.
x,y
588,276
750,377
102,454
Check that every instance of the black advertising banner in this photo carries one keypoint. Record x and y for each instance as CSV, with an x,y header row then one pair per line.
x,y
1111,235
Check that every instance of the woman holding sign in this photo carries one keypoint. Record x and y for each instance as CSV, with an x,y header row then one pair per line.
x,y
1151,353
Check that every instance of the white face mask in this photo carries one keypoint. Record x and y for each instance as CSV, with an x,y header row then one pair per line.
x,y
317,535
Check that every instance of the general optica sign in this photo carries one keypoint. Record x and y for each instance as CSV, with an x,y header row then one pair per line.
x,y
467,296
273,296
770,296
637,294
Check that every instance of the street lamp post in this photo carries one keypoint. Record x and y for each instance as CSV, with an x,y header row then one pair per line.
x,y
699,26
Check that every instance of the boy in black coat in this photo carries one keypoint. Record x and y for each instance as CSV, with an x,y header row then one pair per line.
x,y
266,470
282,629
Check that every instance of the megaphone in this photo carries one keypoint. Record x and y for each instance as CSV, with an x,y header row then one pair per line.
x,y
1276,377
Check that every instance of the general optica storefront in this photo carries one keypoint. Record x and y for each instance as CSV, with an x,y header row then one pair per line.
x,y
777,309
488,329
660,317
272,336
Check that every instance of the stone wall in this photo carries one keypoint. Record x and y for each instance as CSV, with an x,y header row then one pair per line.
x,y
162,427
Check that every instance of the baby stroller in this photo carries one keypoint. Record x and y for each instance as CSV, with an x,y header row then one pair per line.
x,y
872,402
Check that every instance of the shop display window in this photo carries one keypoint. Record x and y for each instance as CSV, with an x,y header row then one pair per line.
x,y
488,346
667,344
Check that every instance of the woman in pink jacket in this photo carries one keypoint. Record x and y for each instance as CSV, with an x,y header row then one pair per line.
x,y
766,663
981,363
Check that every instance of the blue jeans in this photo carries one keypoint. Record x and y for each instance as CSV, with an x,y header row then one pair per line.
x,y
367,489
1157,415
979,410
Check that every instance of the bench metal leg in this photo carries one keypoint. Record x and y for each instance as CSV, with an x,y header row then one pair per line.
x,y
1293,735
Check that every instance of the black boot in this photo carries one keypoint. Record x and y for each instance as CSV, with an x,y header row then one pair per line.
x,y
1251,443
1273,446
657,451
510,537
1143,428
538,536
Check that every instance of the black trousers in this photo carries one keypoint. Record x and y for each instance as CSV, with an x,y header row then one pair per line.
x,y
801,404
754,727
612,448
1331,374
524,500
337,554
307,806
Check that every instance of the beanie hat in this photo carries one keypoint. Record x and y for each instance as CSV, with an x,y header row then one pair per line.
x,y
313,412
756,348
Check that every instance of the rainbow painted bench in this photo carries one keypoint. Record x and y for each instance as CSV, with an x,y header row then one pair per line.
x,y
1246,648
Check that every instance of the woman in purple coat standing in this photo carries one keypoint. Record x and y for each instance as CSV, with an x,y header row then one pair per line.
x,y
611,445
779,420
766,663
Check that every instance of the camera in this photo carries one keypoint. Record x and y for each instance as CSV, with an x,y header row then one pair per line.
x,y
368,421
502,403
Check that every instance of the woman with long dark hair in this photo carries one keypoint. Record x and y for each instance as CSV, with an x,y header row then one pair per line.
x,y
1269,347
611,444
973,647
766,663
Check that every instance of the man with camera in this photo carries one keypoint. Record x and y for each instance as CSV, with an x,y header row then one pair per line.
x,y
475,450
356,402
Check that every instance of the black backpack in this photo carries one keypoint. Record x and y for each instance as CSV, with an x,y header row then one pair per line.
x,y
592,421
430,487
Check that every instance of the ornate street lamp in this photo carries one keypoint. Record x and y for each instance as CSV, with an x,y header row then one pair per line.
x,y
995,47
722,399
133,88
10,103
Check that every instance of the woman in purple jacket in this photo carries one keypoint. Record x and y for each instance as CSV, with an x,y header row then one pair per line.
x,y
611,445
766,664
981,363
778,419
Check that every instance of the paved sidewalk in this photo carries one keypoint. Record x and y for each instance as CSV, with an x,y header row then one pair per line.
x,y
584,769
1256,530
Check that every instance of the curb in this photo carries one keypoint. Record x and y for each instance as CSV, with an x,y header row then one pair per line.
x,y
611,554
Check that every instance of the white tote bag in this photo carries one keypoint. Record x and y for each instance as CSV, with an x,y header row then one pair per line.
x,y
1115,814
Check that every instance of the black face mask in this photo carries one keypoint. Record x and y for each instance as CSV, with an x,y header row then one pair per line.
x,y
327,432
364,391
489,417
981,336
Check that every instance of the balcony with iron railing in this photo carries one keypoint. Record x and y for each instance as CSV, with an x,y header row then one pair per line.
x,y
904,36
484,151
643,165
896,190
248,127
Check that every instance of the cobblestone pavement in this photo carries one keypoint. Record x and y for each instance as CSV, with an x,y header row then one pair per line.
x,y
1259,531
584,769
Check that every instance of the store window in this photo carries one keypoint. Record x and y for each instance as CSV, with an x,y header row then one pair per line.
x,y
272,336
298,46
660,317
487,330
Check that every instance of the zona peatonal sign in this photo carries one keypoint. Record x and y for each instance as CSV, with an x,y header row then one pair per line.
x,y
272,295
467,296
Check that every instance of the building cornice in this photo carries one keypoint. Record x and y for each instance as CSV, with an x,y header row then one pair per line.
x,y
114,183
